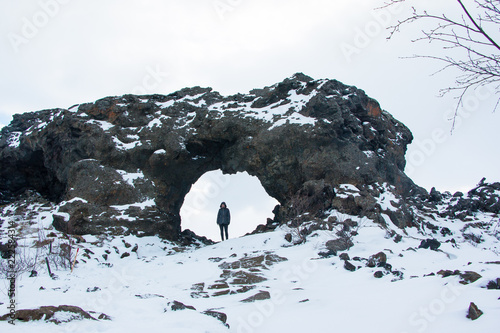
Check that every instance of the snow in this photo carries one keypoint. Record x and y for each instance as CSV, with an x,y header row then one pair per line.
x,y
386,198
66,216
126,146
104,125
77,199
346,190
186,121
65,317
295,118
278,114
308,293
154,123
369,153
41,125
129,177
283,112
122,209
14,140
165,104
188,98
348,187
142,205
133,137
74,108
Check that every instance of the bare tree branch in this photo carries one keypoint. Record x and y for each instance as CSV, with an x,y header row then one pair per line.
x,y
477,25
480,61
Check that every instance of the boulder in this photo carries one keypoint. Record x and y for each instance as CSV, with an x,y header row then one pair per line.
x,y
339,244
348,266
219,285
465,277
494,284
430,243
327,254
177,306
379,259
344,256
446,232
435,195
398,274
55,314
244,277
446,272
6,251
261,261
221,316
469,277
474,312
260,296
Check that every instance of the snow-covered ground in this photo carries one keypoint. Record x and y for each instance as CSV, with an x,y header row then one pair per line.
x,y
302,290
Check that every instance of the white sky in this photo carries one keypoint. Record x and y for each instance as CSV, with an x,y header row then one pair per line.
x,y
56,53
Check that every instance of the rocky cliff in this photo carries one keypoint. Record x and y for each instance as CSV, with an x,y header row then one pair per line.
x,y
124,164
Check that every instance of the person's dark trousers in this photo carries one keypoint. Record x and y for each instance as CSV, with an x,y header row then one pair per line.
x,y
222,229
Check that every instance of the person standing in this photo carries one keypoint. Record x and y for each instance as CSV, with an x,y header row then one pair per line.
x,y
223,220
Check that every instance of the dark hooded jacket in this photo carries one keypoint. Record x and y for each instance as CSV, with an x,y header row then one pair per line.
x,y
223,217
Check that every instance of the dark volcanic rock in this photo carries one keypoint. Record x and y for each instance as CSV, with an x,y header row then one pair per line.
x,y
218,315
177,306
124,164
348,266
260,296
435,195
379,259
485,197
430,243
47,313
469,277
6,251
339,244
494,284
344,256
465,277
474,312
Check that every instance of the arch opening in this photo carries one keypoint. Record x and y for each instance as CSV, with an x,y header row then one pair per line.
x,y
244,195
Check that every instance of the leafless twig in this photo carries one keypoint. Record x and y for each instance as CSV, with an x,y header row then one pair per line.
x,y
479,61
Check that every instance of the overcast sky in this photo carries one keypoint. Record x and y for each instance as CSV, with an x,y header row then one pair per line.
x,y
56,53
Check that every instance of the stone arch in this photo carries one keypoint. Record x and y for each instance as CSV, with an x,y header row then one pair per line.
x,y
300,138
272,159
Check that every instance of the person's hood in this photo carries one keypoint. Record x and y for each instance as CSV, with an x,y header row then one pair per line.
x,y
223,203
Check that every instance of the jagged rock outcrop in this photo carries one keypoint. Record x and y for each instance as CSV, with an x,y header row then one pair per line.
x,y
53,314
125,164
484,197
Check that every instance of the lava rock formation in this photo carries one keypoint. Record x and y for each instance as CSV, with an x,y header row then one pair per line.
x,y
125,164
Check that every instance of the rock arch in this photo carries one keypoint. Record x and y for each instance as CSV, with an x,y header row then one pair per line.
x,y
126,163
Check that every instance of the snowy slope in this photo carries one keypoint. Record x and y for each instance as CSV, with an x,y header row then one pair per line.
x,y
308,291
